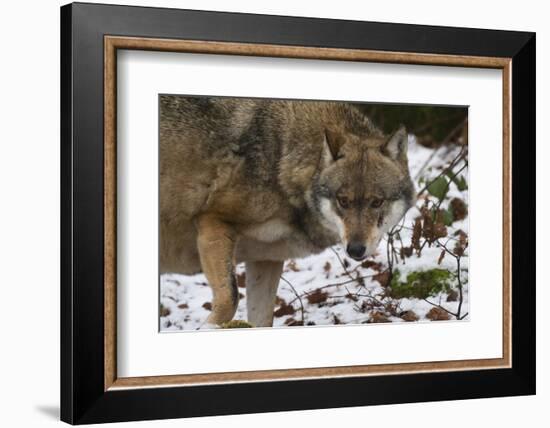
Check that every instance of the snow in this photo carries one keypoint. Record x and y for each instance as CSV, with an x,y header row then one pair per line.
x,y
184,299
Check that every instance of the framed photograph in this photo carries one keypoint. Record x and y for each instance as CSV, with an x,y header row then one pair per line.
x,y
265,213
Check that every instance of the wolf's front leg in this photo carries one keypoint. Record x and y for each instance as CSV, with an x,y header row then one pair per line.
x,y
216,244
262,280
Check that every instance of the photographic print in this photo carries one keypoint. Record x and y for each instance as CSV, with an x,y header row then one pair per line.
x,y
281,213
297,188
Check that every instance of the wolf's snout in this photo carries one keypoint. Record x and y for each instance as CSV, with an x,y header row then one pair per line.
x,y
356,250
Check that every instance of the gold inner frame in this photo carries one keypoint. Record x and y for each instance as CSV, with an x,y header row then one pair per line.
x,y
112,43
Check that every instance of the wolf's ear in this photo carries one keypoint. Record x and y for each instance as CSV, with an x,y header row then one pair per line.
x,y
396,146
333,142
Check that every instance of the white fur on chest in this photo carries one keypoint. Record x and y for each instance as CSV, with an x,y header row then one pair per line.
x,y
251,250
269,231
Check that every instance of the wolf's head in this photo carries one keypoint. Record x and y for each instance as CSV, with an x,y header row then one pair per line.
x,y
364,187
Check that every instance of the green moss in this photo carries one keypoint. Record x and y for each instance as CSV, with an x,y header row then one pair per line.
x,y
420,284
236,324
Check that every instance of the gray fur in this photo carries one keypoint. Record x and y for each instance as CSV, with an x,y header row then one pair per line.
x,y
270,174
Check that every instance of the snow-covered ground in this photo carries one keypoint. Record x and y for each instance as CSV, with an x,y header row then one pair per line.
x,y
330,288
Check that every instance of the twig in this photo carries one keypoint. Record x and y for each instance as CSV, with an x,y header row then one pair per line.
x,y
451,238
453,163
441,307
421,170
447,188
445,141
458,278
341,262
389,252
338,284
461,298
297,296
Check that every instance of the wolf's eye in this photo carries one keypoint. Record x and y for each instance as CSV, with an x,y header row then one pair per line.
x,y
376,203
343,202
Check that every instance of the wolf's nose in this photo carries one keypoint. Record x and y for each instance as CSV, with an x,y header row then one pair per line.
x,y
356,250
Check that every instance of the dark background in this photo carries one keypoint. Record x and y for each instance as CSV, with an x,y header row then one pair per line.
x,y
433,126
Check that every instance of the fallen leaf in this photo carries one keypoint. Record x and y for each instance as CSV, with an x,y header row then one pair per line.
x,y
406,252
409,316
284,309
437,314
317,297
241,280
459,209
441,256
452,296
164,311
371,264
377,317
383,278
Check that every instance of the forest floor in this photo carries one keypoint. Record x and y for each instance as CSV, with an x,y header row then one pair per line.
x,y
330,288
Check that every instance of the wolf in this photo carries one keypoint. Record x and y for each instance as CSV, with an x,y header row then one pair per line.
x,y
261,181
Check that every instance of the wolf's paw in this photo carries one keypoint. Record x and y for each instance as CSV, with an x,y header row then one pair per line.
x,y
208,326
236,324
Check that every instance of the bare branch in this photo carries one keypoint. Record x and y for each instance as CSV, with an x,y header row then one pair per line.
x,y
298,297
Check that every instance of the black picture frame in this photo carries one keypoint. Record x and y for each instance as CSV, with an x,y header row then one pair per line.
x,y
83,399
